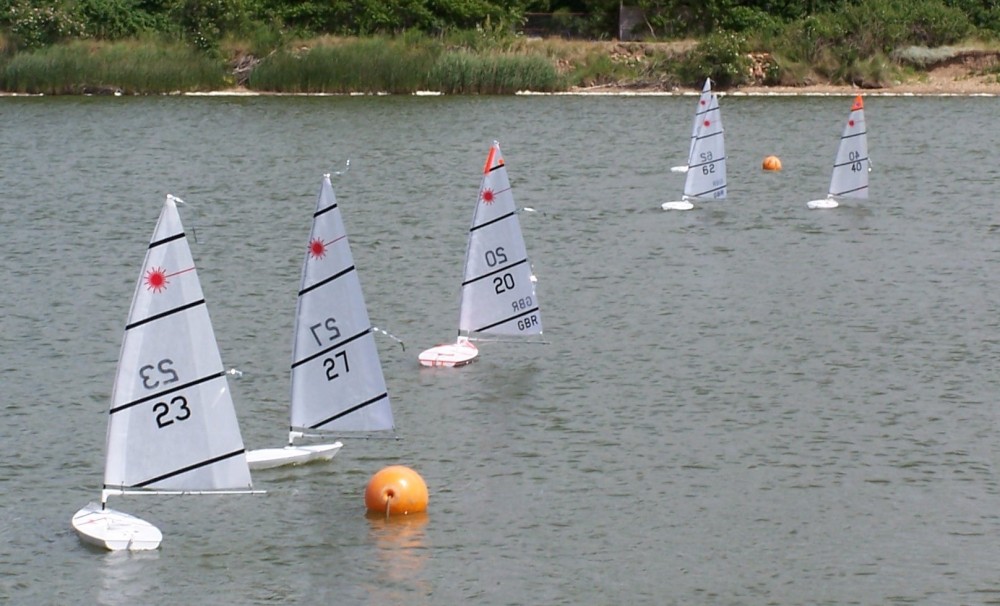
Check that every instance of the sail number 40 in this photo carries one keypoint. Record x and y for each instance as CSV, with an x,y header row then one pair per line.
x,y
855,159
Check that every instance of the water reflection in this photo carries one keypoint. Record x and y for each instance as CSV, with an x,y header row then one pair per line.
x,y
401,554
126,577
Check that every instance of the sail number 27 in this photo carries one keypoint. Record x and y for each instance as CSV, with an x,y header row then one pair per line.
x,y
327,331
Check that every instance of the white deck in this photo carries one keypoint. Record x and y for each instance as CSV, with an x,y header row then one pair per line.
x,y
115,530
267,458
449,355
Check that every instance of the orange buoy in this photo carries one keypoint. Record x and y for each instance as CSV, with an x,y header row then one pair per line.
x,y
396,490
771,163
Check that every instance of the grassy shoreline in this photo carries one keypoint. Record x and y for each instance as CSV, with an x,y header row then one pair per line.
x,y
404,66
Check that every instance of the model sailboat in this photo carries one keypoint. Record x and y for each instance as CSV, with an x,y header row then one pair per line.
x,y
498,290
172,428
699,112
337,382
851,165
706,175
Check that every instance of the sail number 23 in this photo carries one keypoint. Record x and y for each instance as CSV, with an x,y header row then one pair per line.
x,y
162,373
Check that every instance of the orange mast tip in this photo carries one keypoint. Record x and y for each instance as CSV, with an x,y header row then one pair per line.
x,y
489,159
858,104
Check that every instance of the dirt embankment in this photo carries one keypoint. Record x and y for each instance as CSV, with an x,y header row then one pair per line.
x,y
959,72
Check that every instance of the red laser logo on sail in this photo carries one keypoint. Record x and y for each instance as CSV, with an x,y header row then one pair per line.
x,y
156,279
487,196
317,250
708,123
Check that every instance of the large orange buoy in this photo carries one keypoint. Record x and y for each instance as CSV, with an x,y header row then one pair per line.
x,y
396,490
771,163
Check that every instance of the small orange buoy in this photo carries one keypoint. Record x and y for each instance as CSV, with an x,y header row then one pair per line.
x,y
771,163
396,490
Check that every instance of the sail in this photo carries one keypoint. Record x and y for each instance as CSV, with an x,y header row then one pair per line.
x,y
706,176
172,424
337,382
703,102
850,168
498,294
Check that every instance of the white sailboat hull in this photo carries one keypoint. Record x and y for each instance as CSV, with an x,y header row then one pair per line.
x,y
679,205
449,355
115,530
269,458
679,169
822,204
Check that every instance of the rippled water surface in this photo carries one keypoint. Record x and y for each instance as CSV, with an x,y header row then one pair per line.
x,y
749,403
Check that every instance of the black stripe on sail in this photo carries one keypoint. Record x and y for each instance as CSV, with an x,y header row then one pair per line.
x,y
323,352
849,191
514,317
324,210
160,394
164,314
852,135
712,161
488,223
326,280
183,470
495,271
850,162
166,240
710,135
706,192
498,167
344,413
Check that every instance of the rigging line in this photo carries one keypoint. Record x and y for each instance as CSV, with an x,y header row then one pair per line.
x,y
164,314
160,394
166,240
500,218
495,271
348,411
322,352
183,470
326,280
522,314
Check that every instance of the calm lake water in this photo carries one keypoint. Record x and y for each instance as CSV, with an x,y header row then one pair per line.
x,y
748,403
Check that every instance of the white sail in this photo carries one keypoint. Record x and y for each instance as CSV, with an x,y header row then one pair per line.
x,y
498,293
706,176
173,424
850,167
700,109
337,381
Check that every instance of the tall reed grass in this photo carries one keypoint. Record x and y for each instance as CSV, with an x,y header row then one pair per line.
x,y
134,67
384,65
461,72
376,65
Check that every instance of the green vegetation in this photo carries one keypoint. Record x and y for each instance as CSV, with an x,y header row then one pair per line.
x,y
469,46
